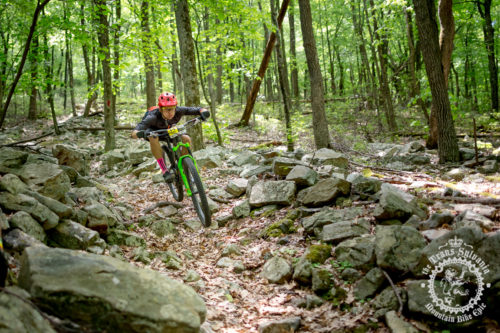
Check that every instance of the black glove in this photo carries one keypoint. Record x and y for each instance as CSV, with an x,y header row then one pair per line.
x,y
205,114
143,134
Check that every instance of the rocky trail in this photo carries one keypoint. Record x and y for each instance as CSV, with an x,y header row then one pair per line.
x,y
306,241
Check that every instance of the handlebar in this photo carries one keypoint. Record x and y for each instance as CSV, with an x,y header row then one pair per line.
x,y
175,131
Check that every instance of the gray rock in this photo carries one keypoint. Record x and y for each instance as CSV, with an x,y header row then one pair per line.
x,y
100,218
287,325
364,186
318,253
243,158
11,183
223,220
207,159
325,156
302,176
171,260
277,270
433,234
122,237
254,170
359,251
398,248
18,240
112,158
11,160
413,147
163,227
419,296
488,167
302,271
231,249
397,324
350,274
279,192
104,293
327,216
26,223
472,219
282,165
57,207
264,211
437,220
4,223
136,154
234,265
339,231
19,316
88,194
387,301
457,174
146,166
467,154
321,280
191,276
41,213
237,187
369,284
326,191
484,210
309,302
74,157
46,178
193,224
140,254
72,235
393,206
241,209
37,158
489,251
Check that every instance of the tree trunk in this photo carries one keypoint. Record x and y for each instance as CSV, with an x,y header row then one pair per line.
x,y
428,33
262,69
320,125
188,66
446,36
34,77
218,79
103,36
71,81
489,42
341,71
38,9
294,72
148,58
116,53
91,95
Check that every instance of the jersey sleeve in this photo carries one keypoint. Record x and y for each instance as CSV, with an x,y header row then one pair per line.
x,y
148,121
189,110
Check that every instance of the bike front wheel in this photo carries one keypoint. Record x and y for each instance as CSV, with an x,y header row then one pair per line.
x,y
198,195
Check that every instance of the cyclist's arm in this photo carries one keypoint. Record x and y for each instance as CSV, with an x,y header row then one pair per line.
x,y
146,122
190,110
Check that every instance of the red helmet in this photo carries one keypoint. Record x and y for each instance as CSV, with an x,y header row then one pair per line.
x,y
167,99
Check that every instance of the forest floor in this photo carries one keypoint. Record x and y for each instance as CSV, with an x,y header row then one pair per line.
x,y
240,301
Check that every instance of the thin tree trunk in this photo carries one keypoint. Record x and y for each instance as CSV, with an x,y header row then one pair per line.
x,y
34,77
38,9
71,81
116,53
147,53
218,79
91,95
428,32
103,36
294,72
320,125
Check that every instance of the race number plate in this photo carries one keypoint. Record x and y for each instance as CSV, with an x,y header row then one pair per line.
x,y
173,130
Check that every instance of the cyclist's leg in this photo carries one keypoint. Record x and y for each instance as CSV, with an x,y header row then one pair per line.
x,y
154,143
185,139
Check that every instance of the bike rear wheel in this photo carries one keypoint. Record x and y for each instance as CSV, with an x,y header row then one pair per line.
x,y
198,195
175,185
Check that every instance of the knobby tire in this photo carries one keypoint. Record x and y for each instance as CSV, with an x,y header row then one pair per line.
x,y
198,195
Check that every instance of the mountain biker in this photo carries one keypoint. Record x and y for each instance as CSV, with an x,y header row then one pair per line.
x,y
163,116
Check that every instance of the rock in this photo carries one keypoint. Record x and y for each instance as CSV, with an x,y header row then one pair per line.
x,y
279,192
206,159
219,194
325,156
398,248
234,265
302,176
484,210
488,167
11,160
37,158
237,187
243,158
339,231
433,234
287,325
106,294
4,223
471,219
309,302
136,155
369,284
302,271
254,170
41,213
350,274
267,211
397,324
72,235
57,207
387,301
326,191
163,227
282,165
467,154
112,158
223,220
89,194
364,186
170,210
437,220
359,251
17,315
100,218
278,228
46,178
321,280
489,252
318,253
128,238
457,174
241,209
11,183
191,276
393,205
74,157
413,147
146,166
193,224
231,249
18,240
26,223
277,270
327,216
171,260
140,254
419,296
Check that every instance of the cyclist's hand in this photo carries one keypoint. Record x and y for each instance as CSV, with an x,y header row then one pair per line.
x,y
143,134
205,114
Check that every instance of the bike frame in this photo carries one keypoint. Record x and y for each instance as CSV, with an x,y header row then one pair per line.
x,y
181,168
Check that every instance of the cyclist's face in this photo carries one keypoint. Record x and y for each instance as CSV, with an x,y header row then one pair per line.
x,y
168,112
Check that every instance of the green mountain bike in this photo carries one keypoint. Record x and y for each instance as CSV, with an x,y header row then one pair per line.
x,y
184,168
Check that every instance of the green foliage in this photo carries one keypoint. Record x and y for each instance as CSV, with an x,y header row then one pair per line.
x,y
340,265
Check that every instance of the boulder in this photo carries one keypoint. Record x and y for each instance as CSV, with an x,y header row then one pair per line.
x,y
282,165
237,187
11,183
488,167
339,231
287,325
17,240
122,237
327,216
279,192
40,212
73,235
163,228
100,218
364,186
397,324
388,301
234,265
243,158
321,281
207,159
254,170
112,158
277,270
4,223
325,192
318,253
11,160
147,166
437,220
302,176
26,223
325,156
241,209
358,251
74,157
170,259
88,194
302,271
47,179
136,154
472,219
106,294
394,206
57,207
37,158
398,248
